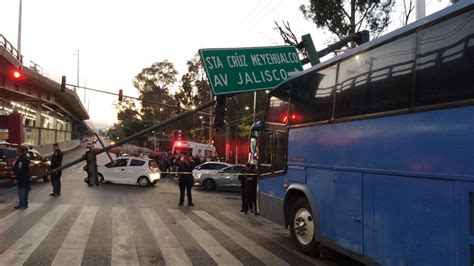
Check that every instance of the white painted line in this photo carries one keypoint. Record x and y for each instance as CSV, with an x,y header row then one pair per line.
x,y
19,252
253,248
123,244
172,251
72,249
217,252
243,220
11,219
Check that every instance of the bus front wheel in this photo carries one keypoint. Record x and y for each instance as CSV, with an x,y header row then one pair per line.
x,y
303,227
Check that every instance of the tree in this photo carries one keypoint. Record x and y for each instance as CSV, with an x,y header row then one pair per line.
x,y
194,88
154,83
344,17
126,110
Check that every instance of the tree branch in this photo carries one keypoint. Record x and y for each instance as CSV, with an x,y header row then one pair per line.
x,y
367,11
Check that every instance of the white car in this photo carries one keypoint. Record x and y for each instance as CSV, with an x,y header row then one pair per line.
x,y
130,170
208,168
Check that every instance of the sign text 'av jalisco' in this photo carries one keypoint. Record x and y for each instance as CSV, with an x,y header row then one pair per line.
x,y
249,69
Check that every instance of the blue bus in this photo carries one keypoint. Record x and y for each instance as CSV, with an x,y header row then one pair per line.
x,y
371,153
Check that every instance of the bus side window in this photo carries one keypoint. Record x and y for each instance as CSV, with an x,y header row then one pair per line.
x,y
445,61
266,153
281,145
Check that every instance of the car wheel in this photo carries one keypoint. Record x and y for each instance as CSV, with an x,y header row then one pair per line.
x,y
143,181
303,227
209,184
45,179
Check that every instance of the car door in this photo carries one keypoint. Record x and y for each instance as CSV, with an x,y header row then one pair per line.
x,y
134,171
118,171
227,176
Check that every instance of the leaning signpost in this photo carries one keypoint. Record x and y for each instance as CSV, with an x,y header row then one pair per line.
x,y
238,70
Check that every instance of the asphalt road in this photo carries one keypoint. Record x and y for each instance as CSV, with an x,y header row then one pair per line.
x,y
128,225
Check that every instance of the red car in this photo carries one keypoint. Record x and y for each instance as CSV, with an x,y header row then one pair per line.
x,y
38,164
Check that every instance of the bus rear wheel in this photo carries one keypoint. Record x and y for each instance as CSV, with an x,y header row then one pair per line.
x,y
303,227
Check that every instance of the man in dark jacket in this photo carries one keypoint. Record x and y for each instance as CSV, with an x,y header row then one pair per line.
x,y
251,190
21,170
56,161
186,180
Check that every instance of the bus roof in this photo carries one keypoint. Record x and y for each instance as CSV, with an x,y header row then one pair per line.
x,y
448,11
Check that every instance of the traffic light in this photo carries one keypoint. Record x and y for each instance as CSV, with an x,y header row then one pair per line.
x,y
120,95
362,37
63,84
91,168
219,112
16,75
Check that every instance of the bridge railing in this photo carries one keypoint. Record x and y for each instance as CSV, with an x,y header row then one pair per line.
x,y
9,47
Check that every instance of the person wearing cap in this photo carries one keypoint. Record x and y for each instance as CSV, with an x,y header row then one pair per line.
x,y
21,170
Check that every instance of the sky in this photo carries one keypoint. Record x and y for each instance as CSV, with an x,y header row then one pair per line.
x,y
116,39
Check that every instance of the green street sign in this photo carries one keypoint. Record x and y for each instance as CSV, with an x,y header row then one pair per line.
x,y
249,69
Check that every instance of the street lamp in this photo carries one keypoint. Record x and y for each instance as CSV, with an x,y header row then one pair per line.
x,y
247,108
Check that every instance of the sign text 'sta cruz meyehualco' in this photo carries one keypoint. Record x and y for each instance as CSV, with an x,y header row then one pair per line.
x,y
249,69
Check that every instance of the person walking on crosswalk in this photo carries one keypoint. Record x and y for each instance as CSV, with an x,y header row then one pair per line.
x,y
21,170
56,161
186,180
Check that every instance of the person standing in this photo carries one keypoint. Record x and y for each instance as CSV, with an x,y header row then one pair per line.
x,y
251,193
56,161
186,180
243,187
21,170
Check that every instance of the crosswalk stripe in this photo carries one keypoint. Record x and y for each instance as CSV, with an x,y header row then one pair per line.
x,y
172,251
73,247
19,252
246,243
288,245
11,219
218,253
123,243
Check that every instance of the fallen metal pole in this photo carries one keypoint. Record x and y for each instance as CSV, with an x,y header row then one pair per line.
x,y
103,146
138,134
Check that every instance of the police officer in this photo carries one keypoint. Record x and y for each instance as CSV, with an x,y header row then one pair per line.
x,y
21,170
56,161
186,180
251,190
